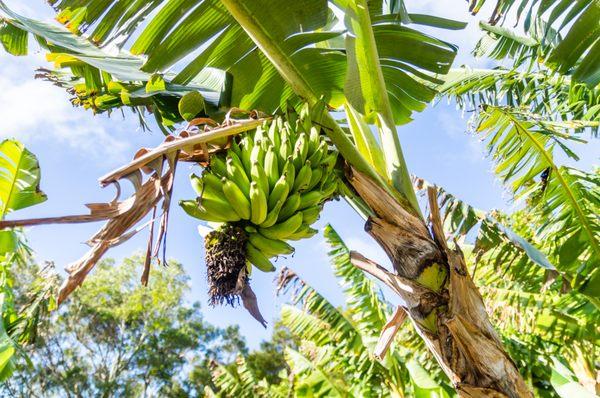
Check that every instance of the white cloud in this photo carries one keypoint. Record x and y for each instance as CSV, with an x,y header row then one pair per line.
x,y
36,110
368,248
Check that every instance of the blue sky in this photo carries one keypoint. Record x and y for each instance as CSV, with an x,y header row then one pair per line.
x,y
75,147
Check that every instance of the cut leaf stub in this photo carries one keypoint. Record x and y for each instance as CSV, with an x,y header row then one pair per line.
x,y
226,264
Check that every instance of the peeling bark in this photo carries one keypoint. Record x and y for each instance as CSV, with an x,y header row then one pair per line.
x,y
450,316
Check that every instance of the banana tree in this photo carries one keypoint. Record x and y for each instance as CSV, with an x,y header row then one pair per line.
x,y
366,58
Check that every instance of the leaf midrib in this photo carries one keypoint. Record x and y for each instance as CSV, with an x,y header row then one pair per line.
x,y
570,195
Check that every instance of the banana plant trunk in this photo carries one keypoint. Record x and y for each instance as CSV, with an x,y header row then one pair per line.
x,y
441,299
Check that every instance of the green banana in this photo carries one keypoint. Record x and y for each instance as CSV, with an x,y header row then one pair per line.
x,y
212,182
280,191
310,199
300,151
237,175
258,204
247,144
290,207
258,153
283,229
329,161
303,178
284,149
217,165
273,132
315,178
270,247
271,167
197,184
218,210
311,214
290,170
304,232
272,215
276,177
236,198
329,188
192,209
235,147
258,259
258,174
316,157
211,189
238,162
314,139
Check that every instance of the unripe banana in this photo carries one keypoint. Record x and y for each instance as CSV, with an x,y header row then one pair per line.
x,y
271,167
279,192
274,130
257,258
283,229
276,178
211,181
197,184
212,189
304,232
272,215
235,159
303,178
210,209
260,135
258,153
310,199
329,161
311,214
258,174
192,209
290,207
329,188
270,247
315,178
217,166
236,198
247,144
317,156
237,175
300,151
285,148
290,170
258,204
236,148
314,139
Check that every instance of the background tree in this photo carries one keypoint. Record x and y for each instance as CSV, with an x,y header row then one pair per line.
x,y
119,338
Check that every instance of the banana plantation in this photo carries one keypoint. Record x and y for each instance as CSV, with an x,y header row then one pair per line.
x,y
283,110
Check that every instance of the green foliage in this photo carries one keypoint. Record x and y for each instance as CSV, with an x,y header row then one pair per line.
x,y
119,338
569,29
564,200
19,188
19,178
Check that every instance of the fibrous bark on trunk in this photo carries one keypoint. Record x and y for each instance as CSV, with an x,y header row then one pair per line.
x,y
440,296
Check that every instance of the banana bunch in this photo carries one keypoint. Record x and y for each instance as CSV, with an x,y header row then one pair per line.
x,y
272,182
